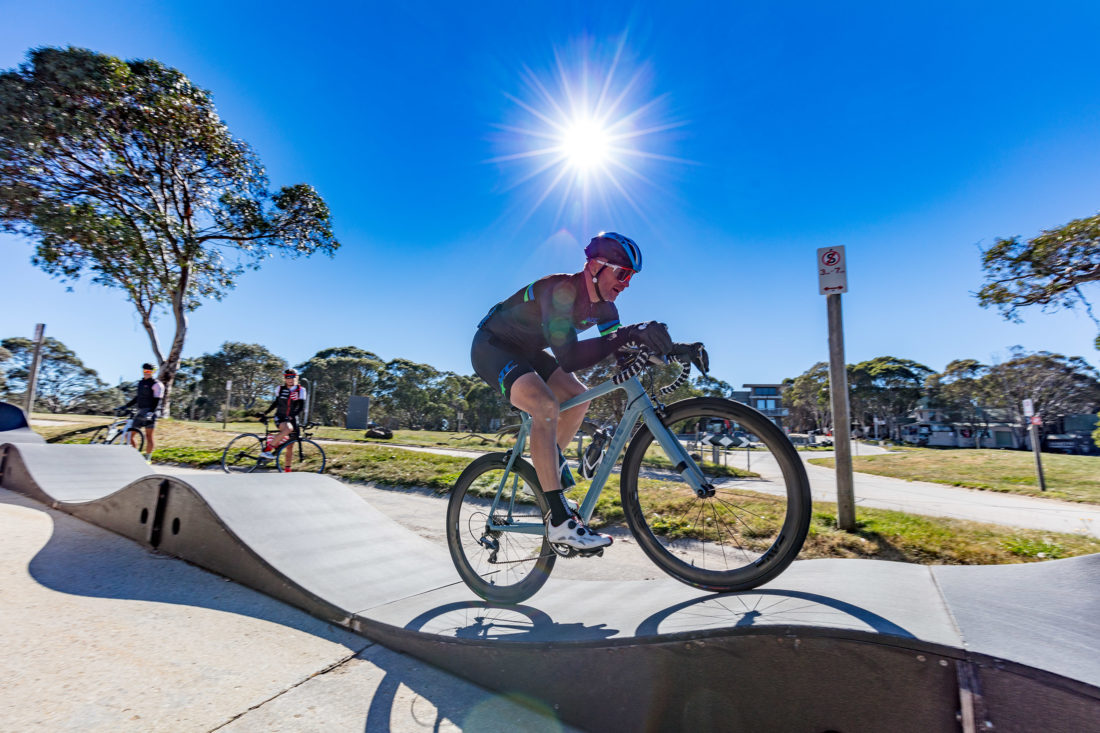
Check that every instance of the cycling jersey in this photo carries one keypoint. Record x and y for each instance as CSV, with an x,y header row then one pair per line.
x,y
549,313
288,402
149,393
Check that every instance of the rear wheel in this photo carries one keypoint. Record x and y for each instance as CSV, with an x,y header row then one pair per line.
x,y
498,565
242,455
300,455
755,522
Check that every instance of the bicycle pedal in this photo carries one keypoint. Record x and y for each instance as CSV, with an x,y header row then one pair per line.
x,y
598,552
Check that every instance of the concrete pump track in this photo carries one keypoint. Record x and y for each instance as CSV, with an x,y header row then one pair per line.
x,y
831,645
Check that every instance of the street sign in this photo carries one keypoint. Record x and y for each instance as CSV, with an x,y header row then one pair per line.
x,y
1029,408
1036,420
832,271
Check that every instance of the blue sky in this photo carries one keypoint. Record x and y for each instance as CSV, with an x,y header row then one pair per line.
x,y
911,135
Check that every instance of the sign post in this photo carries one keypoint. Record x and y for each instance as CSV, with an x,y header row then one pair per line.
x,y
228,392
1034,421
832,280
32,379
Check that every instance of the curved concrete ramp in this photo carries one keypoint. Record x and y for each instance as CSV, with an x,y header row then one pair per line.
x,y
839,645
14,427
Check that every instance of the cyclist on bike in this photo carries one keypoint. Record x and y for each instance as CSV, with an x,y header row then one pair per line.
x,y
146,399
289,402
508,352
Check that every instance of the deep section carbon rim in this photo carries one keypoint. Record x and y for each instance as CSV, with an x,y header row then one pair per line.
x,y
303,455
752,523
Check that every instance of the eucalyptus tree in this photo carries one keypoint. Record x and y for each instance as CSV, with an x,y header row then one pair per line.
x,y
256,374
1057,385
807,398
334,375
1048,270
887,387
964,389
62,383
123,172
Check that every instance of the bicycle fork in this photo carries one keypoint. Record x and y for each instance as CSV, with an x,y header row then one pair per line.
x,y
682,461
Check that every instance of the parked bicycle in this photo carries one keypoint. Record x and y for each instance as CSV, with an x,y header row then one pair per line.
x,y
121,431
704,517
298,453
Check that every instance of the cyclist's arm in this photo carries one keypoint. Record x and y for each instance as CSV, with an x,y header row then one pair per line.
x,y
272,406
573,354
158,395
131,403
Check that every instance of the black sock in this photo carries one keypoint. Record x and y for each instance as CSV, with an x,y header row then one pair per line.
x,y
558,511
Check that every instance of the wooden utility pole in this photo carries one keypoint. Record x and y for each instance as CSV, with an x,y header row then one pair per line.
x,y
32,378
1033,431
832,270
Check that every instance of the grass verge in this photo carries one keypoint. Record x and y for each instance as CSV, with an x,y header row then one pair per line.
x,y
1070,478
881,534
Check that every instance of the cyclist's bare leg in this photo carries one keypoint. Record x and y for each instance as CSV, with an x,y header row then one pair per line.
x,y
280,437
132,435
149,442
565,386
533,396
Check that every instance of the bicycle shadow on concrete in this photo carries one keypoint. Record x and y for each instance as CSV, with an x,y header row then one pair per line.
x,y
483,621
759,609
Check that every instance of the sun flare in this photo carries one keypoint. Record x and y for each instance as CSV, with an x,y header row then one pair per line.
x,y
589,133
586,144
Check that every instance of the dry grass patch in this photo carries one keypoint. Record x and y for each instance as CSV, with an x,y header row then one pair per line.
x,y
1070,478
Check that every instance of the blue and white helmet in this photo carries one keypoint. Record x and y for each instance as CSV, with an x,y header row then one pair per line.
x,y
616,249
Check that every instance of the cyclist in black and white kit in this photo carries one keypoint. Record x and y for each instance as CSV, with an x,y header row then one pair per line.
x,y
289,403
508,352
147,399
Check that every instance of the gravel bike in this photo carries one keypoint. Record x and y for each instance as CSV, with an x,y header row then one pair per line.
x,y
710,507
121,431
298,453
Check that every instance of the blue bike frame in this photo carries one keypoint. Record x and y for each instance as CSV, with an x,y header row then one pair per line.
x,y
638,405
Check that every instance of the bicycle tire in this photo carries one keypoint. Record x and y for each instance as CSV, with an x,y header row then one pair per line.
x,y
758,526
305,453
242,454
116,439
528,558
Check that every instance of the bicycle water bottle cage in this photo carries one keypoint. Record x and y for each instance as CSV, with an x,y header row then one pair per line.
x,y
593,454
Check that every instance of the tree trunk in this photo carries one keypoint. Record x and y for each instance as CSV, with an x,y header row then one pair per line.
x,y
171,365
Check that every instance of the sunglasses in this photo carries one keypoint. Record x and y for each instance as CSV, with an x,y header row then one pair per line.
x,y
622,274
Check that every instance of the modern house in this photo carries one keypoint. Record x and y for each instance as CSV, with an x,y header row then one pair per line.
x,y
765,398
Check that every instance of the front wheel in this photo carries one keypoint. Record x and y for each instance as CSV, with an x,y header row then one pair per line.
x,y
300,455
133,437
754,522
242,455
499,565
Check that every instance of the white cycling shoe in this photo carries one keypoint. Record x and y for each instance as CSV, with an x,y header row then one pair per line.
x,y
268,455
575,534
